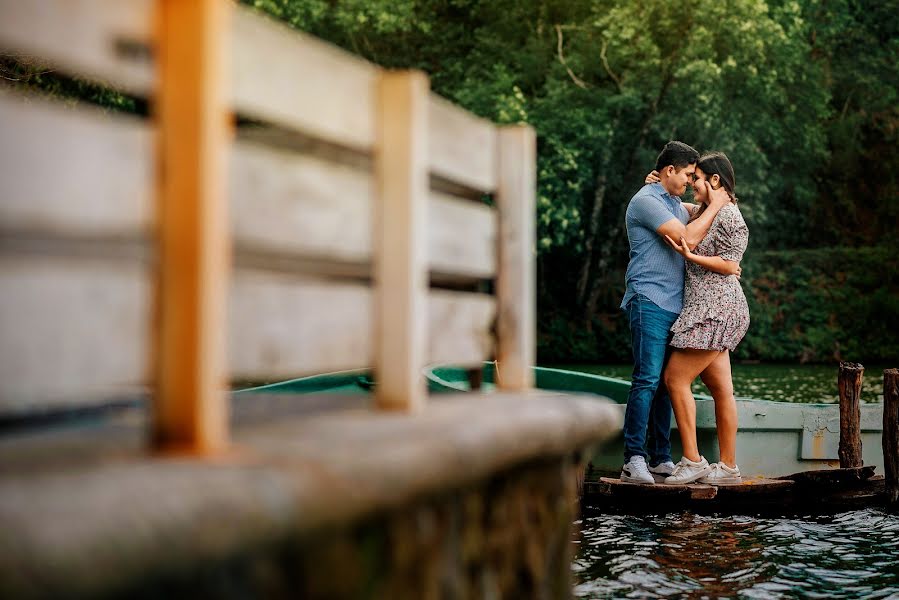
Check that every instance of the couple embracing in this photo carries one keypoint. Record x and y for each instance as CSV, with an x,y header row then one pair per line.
x,y
687,312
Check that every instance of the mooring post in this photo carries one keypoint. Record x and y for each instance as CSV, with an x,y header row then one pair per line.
x,y
849,381
890,439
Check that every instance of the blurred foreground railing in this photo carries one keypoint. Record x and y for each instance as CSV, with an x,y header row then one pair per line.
x,y
343,226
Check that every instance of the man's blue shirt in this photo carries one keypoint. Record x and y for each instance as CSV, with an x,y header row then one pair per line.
x,y
655,270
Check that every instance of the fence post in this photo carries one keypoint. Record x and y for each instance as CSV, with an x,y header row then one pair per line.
x,y
890,438
194,133
515,290
849,381
401,222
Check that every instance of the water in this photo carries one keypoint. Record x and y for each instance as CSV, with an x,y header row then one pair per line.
x,y
852,554
685,555
784,383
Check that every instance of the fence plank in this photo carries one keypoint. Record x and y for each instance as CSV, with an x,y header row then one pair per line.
x,y
461,237
302,205
73,172
460,328
299,204
284,326
194,135
107,41
401,243
75,331
307,84
515,199
461,147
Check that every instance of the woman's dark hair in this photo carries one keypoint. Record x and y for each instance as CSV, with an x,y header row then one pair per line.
x,y
717,163
676,154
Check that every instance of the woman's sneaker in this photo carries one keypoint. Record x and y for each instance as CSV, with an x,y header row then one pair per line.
x,y
688,471
722,474
635,471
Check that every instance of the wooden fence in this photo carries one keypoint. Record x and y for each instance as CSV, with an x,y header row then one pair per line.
x,y
341,225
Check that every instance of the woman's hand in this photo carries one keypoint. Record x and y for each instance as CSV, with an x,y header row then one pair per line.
x,y
683,248
716,264
652,177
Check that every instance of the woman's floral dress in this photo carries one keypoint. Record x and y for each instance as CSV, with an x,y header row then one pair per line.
x,y
715,314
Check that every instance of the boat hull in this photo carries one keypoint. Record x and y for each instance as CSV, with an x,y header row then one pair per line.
x,y
773,439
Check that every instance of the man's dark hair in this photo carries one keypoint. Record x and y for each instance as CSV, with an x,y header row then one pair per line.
x,y
677,154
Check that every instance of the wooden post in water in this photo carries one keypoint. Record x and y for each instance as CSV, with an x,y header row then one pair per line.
x,y
849,381
890,439
194,134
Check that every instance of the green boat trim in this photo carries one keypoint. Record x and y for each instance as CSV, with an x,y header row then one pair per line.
x,y
352,381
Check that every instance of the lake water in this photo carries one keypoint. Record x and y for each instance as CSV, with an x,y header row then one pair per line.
x,y
852,554
685,555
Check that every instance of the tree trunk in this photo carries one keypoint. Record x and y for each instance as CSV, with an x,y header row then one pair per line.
x,y
849,381
890,438
592,232
601,275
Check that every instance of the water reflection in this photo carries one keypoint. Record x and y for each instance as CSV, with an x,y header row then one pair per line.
x,y
684,555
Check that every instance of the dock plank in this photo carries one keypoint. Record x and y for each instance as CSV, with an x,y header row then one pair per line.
x,y
613,490
611,486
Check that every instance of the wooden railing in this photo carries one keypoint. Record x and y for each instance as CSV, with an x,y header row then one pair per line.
x,y
342,227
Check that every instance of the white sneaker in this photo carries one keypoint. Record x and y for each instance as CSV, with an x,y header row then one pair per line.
x,y
661,471
721,473
635,471
688,471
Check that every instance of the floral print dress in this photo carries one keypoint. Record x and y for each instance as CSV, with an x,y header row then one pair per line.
x,y
715,314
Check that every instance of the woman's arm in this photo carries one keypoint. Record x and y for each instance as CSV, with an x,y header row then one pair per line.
x,y
715,264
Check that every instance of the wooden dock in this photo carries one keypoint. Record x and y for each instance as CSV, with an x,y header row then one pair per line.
x,y
832,489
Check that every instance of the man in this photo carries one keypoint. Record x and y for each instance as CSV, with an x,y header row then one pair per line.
x,y
653,300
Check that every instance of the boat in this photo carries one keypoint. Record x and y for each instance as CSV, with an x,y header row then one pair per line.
x,y
774,439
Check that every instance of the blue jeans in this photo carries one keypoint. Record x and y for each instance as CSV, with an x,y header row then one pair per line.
x,y
648,404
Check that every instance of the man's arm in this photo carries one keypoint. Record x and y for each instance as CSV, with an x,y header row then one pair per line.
x,y
716,264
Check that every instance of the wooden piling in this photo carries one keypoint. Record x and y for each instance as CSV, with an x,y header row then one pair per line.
x,y
890,439
849,381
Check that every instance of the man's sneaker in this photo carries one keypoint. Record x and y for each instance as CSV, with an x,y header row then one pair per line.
x,y
722,474
661,471
688,471
635,471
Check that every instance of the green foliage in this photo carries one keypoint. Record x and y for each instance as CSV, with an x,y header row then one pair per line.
x,y
823,305
24,74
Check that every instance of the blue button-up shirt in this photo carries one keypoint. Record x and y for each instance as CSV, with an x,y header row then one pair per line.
x,y
655,269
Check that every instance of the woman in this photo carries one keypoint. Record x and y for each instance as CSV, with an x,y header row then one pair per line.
x,y
714,319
